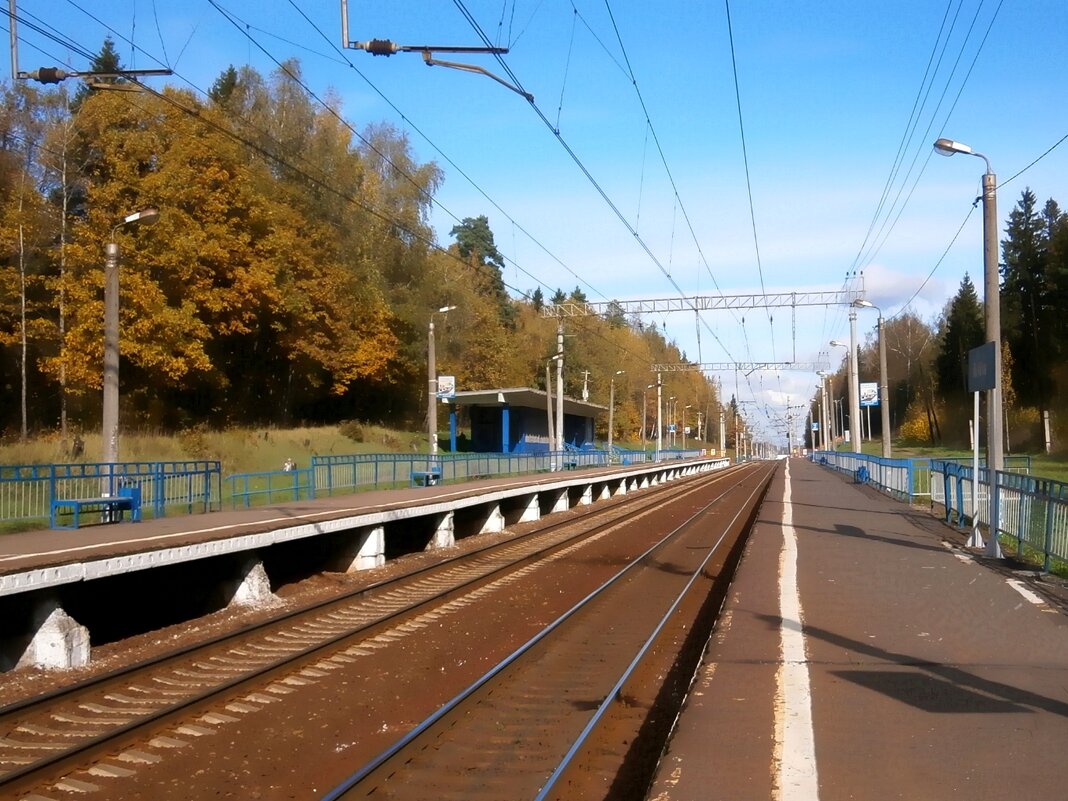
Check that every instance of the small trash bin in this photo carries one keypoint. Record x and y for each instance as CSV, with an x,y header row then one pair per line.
x,y
861,475
133,492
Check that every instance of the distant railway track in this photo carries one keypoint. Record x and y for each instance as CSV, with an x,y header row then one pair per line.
x,y
45,742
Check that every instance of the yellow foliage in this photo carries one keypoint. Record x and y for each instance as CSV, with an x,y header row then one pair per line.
x,y
916,429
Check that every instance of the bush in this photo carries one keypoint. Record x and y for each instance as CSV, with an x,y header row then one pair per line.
x,y
194,441
915,430
353,430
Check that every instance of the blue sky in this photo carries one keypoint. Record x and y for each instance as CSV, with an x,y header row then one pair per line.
x,y
827,93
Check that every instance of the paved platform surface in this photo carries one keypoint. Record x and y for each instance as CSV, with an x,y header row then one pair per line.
x,y
865,654
47,548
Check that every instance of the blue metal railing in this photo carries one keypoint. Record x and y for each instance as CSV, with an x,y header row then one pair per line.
x,y
27,491
272,486
1031,510
906,479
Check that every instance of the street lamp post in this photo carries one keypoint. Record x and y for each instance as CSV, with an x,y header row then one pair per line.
x,y
854,401
110,421
645,408
992,301
659,411
884,394
687,406
671,418
825,412
612,408
432,383
817,406
549,408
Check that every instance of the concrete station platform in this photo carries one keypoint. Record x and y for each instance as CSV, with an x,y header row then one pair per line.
x,y
61,590
864,653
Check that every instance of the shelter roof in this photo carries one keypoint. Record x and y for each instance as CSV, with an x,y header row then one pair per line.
x,y
524,397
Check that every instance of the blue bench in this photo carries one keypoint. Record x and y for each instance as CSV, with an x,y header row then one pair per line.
x,y
128,500
425,478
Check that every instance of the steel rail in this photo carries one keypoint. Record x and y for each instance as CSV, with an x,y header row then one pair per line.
x,y
107,739
617,688
429,724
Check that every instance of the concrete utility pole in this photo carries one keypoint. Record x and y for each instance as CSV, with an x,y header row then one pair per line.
x,y
560,387
995,459
612,409
432,384
659,411
110,421
884,394
854,388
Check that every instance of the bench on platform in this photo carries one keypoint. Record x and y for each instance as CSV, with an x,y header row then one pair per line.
x,y
425,478
128,500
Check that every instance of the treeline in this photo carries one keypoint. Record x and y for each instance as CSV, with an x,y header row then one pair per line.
x,y
927,365
291,275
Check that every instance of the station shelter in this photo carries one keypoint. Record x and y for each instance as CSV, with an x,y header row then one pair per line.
x,y
516,420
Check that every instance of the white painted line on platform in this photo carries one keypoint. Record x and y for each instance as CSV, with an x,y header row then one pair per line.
x,y
1034,598
795,741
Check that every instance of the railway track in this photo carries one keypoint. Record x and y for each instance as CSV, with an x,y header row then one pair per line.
x,y
104,726
583,709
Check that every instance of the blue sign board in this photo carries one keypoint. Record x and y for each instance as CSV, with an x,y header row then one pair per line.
x,y
982,368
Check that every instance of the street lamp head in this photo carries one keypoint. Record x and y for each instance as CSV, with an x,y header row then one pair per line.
x,y
836,344
620,372
947,147
556,358
145,217
863,304
444,309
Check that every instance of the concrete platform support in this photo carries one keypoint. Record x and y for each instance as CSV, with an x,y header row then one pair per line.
x,y
59,642
559,503
622,487
532,510
444,535
366,550
253,587
587,496
604,492
494,521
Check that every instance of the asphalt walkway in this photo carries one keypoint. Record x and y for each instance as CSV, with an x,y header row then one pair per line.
x,y
865,654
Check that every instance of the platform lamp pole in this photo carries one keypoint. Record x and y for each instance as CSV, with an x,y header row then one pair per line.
x,y
854,402
659,420
549,408
432,384
645,408
884,394
110,429
611,409
995,460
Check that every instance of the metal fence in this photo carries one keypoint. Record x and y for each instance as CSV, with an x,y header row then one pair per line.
x,y
272,486
1031,510
27,491
905,479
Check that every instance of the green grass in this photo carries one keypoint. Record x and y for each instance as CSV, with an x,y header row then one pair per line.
x,y
1042,465
239,450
